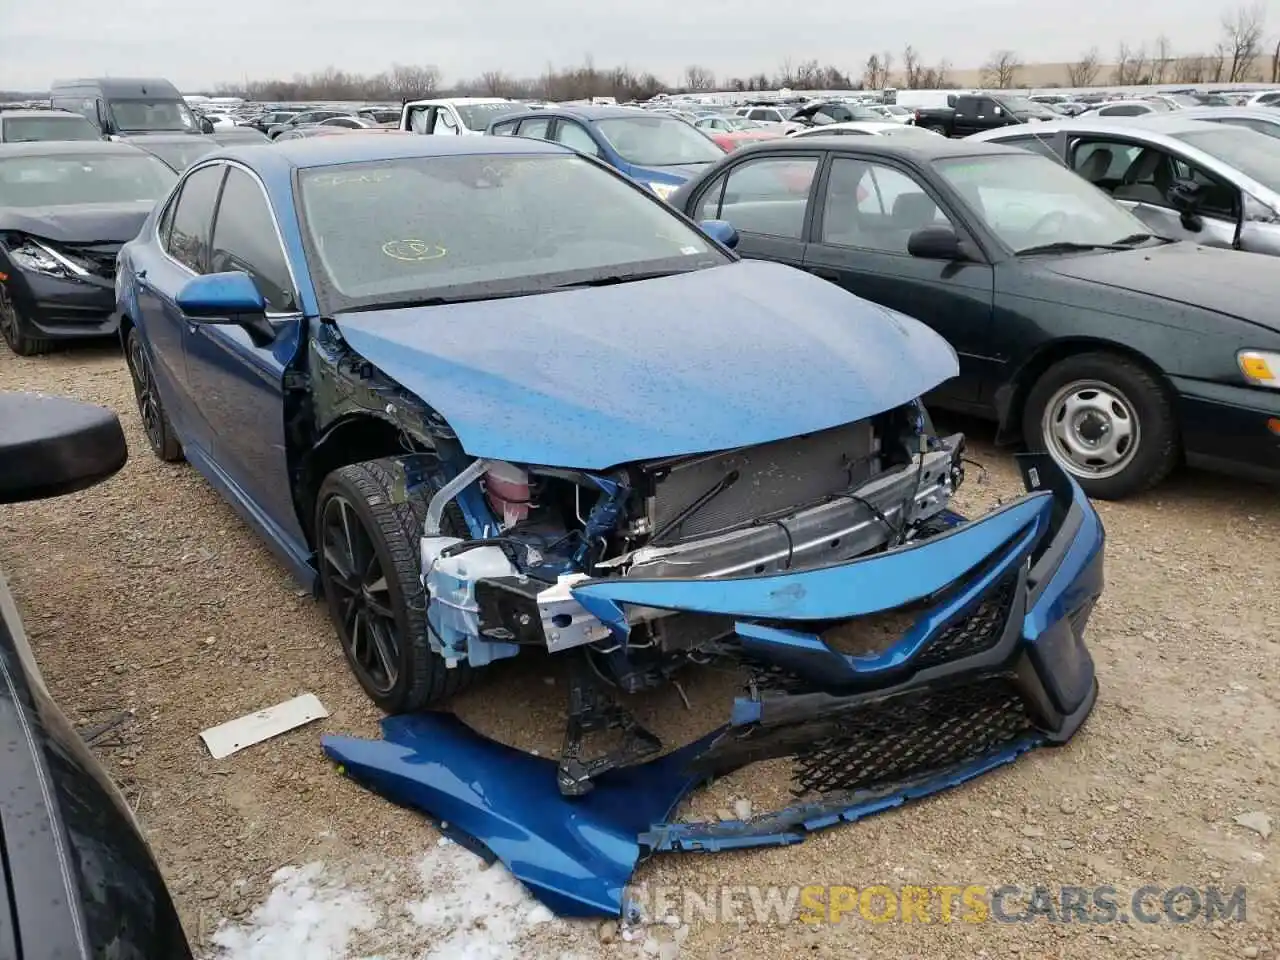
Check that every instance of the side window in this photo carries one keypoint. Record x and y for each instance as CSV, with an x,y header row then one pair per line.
x,y
189,236
1034,145
1219,199
244,238
875,207
419,117
165,227
1102,162
1124,110
573,135
535,127
506,129
767,196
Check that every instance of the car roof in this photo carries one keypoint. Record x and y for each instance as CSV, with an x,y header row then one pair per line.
x,y
122,86
73,148
356,147
589,113
143,139
1146,126
919,149
40,113
872,125
1266,114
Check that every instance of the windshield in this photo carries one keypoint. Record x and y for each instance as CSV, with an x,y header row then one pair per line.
x,y
658,141
70,127
152,115
412,229
63,180
1023,105
179,154
1027,201
896,110
1254,156
478,116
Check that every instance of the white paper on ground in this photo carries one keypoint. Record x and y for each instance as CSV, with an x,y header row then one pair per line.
x,y
226,738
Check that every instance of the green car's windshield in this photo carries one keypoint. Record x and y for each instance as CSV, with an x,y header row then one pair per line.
x,y
1029,201
418,229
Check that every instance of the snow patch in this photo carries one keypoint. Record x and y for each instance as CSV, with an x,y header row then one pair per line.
x,y
308,916
473,914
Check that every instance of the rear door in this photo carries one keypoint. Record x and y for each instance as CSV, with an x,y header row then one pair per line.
x,y
769,199
237,380
867,209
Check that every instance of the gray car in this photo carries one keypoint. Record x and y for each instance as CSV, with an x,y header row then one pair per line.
x,y
1186,179
1259,119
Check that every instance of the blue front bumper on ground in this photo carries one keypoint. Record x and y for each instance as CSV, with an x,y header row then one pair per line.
x,y
993,668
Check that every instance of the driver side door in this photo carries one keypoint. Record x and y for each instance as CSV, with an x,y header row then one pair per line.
x,y
237,377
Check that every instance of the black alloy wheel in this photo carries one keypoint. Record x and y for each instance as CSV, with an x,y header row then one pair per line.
x,y
155,422
368,549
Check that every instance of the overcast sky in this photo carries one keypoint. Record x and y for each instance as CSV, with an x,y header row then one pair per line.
x,y
196,43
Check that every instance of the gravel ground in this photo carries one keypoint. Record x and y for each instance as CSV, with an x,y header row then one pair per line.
x,y
148,594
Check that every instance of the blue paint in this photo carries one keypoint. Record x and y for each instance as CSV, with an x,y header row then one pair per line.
x,y
575,855
220,295
733,355
853,589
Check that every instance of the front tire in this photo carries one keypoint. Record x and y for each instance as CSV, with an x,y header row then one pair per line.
x,y
1107,421
155,422
14,329
368,553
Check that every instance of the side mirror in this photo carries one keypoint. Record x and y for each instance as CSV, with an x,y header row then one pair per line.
x,y
998,111
104,123
721,231
1186,196
206,125
935,243
51,445
230,298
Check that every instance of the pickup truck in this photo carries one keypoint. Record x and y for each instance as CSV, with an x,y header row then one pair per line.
x,y
974,113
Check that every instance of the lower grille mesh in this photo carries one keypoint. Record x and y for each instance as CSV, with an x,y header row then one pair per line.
x,y
912,735
977,630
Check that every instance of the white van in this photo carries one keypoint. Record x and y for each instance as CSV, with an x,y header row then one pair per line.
x,y
929,99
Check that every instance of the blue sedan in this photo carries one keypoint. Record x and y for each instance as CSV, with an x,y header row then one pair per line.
x,y
487,397
661,152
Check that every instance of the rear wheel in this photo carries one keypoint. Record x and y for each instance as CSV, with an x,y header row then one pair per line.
x,y
17,332
937,128
155,422
368,547
1108,421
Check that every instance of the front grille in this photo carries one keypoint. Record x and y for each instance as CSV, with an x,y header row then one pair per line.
x,y
912,735
770,479
979,629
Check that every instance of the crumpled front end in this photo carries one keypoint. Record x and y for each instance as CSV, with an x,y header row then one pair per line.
x,y
991,663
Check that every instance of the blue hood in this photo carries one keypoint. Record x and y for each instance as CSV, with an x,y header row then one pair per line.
x,y
709,360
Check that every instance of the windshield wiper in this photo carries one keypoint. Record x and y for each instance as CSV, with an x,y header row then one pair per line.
x,y
618,278
1067,246
438,301
1135,238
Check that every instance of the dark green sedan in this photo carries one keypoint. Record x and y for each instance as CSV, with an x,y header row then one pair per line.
x,y
1121,353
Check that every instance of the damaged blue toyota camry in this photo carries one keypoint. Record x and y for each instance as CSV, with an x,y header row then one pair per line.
x,y
487,397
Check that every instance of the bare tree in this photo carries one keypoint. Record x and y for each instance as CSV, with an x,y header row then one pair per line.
x,y
413,83
886,64
911,69
1001,70
1242,41
1161,60
1191,69
1275,64
786,73
1084,71
873,73
699,78
1131,66
1217,63
495,83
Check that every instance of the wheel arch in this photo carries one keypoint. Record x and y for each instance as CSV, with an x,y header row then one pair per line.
x,y
1012,397
354,438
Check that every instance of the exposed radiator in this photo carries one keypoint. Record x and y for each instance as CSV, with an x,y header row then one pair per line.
x,y
742,486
